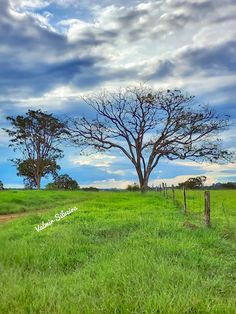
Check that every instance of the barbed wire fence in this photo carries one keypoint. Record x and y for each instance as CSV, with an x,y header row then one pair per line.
x,y
202,206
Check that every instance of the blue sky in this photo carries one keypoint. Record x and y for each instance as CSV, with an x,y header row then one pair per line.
x,y
53,52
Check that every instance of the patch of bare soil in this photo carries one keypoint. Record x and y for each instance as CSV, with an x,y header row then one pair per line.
x,y
7,217
189,225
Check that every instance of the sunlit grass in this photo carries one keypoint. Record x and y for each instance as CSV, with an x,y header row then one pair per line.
x,y
14,201
118,253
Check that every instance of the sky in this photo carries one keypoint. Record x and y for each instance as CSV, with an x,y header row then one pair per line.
x,y
52,52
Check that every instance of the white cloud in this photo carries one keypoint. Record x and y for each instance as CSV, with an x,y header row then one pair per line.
x,y
4,138
111,184
105,162
213,172
117,172
207,166
178,179
55,99
29,4
98,160
13,186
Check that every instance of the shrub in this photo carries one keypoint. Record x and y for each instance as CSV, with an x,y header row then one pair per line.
x,y
133,187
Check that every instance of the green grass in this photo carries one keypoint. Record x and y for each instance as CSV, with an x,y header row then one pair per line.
x,y
223,205
118,253
16,201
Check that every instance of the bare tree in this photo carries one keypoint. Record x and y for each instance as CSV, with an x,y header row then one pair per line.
x,y
146,125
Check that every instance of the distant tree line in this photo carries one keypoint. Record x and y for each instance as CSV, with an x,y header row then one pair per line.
x,y
227,185
90,188
191,183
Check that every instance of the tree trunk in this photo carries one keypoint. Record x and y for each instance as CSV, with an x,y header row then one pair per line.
x,y
143,185
38,182
143,180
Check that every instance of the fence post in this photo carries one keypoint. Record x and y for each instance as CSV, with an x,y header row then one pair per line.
x,y
163,189
207,210
185,200
166,189
173,192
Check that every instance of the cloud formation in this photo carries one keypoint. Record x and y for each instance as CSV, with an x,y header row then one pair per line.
x,y
164,41
34,58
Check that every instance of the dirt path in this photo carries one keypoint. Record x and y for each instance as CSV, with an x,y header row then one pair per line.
x,y
7,217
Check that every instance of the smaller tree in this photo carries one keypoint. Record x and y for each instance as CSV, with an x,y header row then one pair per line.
x,y
193,183
1,185
133,187
63,182
37,136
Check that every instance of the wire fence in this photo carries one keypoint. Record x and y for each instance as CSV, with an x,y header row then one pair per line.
x,y
202,206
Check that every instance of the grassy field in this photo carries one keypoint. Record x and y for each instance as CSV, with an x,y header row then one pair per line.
x,y
223,205
118,253
16,201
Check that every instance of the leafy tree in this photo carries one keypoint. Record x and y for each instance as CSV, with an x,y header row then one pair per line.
x,y
63,182
36,135
27,169
147,125
133,187
1,185
193,183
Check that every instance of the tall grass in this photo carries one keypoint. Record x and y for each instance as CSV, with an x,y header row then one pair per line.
x,y
15,201
223,205
118,253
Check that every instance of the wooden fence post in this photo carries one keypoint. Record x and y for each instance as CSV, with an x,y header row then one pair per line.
x,y
185,200
173,192
207,210
166,189
163,189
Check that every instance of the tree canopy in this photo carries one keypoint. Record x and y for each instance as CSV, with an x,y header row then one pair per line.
x,y
147,125
193,183
63,182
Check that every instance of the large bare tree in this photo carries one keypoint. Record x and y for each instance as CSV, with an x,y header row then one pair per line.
x,y
147,124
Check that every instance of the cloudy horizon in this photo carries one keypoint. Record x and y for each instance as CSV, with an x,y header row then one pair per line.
x,y
53,52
